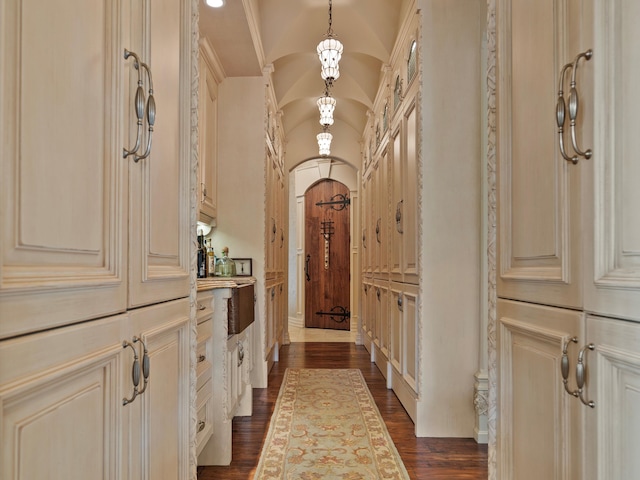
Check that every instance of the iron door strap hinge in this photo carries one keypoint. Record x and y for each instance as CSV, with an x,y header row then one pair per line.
x,y
341,203
338,311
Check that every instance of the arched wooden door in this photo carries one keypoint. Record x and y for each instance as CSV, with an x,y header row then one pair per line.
x,y
327,268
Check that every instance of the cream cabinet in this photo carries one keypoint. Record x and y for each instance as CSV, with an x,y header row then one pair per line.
x,y
94,272
226,390
208,138
568,240
63,398
204,369
404,194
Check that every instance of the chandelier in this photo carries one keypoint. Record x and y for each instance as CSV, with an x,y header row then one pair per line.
x,y
326,105
330,51
324,142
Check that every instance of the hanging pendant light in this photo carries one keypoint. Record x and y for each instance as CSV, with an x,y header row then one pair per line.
x,y
330,51
324,142
326,105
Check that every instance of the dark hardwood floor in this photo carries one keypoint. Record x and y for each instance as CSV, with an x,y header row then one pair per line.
x,y
424,458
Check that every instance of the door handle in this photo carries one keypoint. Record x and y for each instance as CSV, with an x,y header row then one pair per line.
x,y
574,103
581,375
564,366
561,111
306,268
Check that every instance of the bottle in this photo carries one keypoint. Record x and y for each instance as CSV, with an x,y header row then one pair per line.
x,y
225,266
202,257
211,261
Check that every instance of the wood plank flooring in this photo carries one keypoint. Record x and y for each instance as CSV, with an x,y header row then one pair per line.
x,y
424,458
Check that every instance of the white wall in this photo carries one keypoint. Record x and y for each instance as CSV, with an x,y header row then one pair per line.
x,y
451,205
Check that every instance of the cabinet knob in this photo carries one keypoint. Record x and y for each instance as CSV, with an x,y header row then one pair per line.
x,y
201,358
201,425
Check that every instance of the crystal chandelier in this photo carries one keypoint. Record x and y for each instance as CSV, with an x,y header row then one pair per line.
x,y
326,105
329,51
324,142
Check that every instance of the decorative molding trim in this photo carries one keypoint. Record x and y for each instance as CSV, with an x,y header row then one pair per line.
x,y
193,217
491,236
481,404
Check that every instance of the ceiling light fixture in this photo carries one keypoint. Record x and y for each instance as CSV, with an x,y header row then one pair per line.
x,y
330,51
324,142
326,105
215,3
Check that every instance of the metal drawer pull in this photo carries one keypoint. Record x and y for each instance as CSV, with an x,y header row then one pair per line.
x,y
201,307
564,366
139,103
135,373
560,116
574,104
146,365
400,302
201,425
201,358
399,216
151,115
581,375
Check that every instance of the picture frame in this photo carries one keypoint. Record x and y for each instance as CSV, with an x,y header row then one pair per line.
x,y
244,267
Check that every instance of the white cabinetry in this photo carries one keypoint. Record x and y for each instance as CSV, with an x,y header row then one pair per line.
x,y
204,369
569,237
229,388
208,128
88,235
62,395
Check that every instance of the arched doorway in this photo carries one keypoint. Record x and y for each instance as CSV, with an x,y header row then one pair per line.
x,y
327,267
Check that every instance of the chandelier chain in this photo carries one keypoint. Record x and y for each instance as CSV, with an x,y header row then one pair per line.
x,y
330,31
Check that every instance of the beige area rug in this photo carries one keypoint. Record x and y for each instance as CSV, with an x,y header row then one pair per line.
x,y
326,426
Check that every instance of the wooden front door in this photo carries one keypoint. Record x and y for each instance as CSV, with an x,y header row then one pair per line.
x,y
327,266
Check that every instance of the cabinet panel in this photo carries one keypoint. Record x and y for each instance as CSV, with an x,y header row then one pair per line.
x,y
159,187
540,428
61,403
613,285
614,385
63,228
539,204
208,129
410,337
409,208
396,206
159,432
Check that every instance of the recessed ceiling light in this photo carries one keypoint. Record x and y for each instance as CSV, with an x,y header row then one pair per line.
x,y
215,3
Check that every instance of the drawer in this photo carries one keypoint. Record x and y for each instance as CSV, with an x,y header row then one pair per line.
x,y
204,305
204,366
204,405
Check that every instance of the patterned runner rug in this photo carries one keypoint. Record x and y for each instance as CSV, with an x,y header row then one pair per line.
x,y
326,426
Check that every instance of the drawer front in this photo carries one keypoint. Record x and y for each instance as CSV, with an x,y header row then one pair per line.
x,y
204,305
204,404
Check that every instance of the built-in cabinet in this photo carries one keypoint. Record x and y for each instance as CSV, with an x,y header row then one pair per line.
x,y
208,134
569,242
276,238
225,363
390,233
420,185
95,271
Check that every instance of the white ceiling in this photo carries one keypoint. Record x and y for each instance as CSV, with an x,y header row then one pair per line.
x,y
249,34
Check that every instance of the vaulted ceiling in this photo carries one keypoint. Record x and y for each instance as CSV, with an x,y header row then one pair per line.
x,y
249,35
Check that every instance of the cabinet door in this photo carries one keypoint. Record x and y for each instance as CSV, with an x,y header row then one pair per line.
x,y
395,329
208,138
397,201
612,282
539,426
613,383
61,402
409,206
62,207
539,203
158,418
160,184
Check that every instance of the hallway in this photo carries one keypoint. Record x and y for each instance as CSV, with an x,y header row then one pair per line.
x,y
424,458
